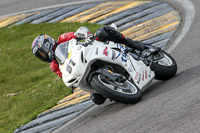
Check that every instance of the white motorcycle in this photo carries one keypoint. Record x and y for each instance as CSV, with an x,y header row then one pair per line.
x,y
113,70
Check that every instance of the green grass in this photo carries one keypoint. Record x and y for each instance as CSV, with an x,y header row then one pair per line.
x,y
37,87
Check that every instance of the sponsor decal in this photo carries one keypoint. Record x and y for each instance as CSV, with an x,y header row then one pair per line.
x,y
146,75
149,73
136,75
113,55
105,51
69,55
96,51
142,75
122,54
130,69
124,57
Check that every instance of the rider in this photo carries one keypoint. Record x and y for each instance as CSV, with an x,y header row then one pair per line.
x,y
43,47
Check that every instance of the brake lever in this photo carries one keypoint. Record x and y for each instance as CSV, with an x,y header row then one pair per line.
x,y
90,43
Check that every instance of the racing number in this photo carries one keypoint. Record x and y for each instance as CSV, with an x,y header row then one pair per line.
x,y
70,65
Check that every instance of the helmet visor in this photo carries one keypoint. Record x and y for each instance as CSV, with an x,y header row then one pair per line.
x,y
43,52
42,55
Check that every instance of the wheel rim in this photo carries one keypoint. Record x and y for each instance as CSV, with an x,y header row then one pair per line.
x,y
165,61
126,87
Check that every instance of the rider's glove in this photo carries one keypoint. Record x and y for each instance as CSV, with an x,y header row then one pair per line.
x,y
89,39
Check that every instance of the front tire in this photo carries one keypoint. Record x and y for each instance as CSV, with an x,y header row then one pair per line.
x,y
164,68
125,92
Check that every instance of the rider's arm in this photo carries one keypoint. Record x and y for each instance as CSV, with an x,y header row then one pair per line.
x,y
55,68
66,37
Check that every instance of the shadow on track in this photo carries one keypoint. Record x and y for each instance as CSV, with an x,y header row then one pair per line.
x,y
181,79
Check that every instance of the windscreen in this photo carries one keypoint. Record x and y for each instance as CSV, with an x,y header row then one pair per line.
x,y
61,52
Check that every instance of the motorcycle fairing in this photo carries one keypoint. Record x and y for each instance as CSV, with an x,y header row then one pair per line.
x,y
77,65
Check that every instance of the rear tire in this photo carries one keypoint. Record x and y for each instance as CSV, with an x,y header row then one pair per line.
x,y
107,89
165,68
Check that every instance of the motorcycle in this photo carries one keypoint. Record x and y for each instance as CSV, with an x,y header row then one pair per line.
x,y
113,70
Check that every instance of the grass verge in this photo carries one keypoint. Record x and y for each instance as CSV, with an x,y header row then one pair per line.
x,y
27,85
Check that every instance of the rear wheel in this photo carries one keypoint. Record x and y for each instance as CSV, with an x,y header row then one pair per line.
x,y
164,68
124,92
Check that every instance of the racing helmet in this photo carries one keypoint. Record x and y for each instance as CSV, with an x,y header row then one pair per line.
x,y
42,47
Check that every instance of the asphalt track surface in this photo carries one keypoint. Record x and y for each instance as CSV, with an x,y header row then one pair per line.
x,y
171,106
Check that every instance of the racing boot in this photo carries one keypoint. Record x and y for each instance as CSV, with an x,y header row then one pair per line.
x,y
134,44
109,33
97,98
73,89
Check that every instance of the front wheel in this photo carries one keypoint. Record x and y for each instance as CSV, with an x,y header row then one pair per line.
x,y
164,68
123,92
